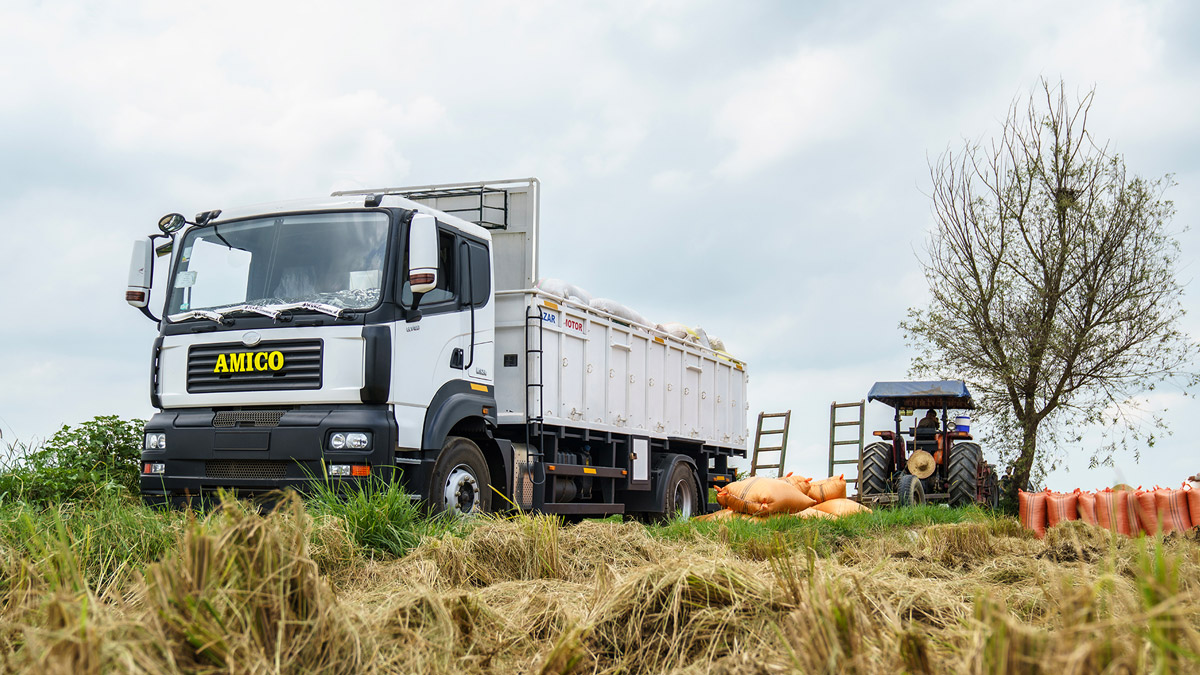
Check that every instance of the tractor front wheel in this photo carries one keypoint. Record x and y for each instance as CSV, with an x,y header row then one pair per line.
x,y
876,469
911,492
962,470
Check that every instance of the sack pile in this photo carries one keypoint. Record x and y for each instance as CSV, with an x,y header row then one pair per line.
x,y
1128,511
760,496
578,295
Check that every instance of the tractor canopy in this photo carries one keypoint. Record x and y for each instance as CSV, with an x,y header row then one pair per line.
x,y
951,394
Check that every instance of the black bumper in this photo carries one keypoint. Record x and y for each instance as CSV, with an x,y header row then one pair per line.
x,y
201,458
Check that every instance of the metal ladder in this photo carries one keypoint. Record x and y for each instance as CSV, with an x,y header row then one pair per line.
x,y
781,448
834,443
534,420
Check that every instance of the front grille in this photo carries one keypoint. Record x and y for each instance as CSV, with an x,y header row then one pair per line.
x,y
231,366
248,418
245,468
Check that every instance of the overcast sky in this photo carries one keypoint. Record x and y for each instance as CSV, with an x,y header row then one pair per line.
x,y
757,168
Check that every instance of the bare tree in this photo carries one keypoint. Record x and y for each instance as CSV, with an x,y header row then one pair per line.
x,y
1051,274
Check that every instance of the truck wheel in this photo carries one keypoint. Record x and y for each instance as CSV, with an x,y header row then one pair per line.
x,y
681,498
876,469
962,471
461,482
911,491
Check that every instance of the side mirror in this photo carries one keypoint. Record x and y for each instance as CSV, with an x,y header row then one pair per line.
x,y
141,272
171,223
422,253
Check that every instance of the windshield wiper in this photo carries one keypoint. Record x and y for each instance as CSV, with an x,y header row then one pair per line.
x,y
335,312
276,312
270,311
221,316
200,314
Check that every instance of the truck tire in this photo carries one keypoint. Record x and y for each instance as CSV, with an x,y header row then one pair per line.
x,y
461,482
876,468
962,472
681,498
910,491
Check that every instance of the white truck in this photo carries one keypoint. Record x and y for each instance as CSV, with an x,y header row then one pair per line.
x,y
398,335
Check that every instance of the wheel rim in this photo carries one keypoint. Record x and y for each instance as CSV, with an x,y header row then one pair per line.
x,y
461,492
683,499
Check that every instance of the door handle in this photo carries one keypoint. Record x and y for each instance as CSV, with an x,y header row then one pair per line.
x,y
456,358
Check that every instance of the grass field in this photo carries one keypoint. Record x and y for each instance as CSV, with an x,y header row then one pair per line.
x,y
369,585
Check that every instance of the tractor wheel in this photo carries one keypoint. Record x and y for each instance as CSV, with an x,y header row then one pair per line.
x,y
962,470
911,490
993,488
876,469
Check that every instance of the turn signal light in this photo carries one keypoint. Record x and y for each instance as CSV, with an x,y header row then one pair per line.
x,y
360,470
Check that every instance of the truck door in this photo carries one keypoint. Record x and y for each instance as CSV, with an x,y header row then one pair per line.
x,y
437,348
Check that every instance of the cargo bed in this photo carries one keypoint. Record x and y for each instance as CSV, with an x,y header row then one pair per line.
x,y
599,372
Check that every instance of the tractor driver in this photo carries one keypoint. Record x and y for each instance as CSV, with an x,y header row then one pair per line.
x,y
929,421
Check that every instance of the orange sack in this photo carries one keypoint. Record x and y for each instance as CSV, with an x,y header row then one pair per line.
x,y
1031,507
814,512
841,507
1116,511
799,482
1087,507
1061,507
828,488
1193,500
723,514
762,496
1172,506
1147,511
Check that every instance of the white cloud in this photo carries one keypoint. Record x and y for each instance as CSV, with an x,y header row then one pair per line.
x,y
816,95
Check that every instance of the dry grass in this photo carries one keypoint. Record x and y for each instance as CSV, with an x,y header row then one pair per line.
x,y
292,593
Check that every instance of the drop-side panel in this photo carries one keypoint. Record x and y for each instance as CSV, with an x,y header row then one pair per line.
x,y
635,382
600,373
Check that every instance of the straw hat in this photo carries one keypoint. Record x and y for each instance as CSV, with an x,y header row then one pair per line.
x,y
921,464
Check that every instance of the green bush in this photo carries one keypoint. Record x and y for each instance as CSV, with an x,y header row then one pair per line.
x,y
100,455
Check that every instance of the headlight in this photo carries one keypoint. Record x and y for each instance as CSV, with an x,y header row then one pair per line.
x,y
339,469
156,441
350,440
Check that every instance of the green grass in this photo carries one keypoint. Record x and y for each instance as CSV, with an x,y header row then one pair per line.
x,y
100,538
757,537
381,517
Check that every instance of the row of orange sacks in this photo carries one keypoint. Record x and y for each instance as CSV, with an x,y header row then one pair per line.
x,y
1129,512
760,496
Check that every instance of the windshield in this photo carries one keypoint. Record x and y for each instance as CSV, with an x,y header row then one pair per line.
x,y
331,258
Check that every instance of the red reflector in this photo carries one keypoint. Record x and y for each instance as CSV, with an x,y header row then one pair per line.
x,y
420,278
360,470
135,296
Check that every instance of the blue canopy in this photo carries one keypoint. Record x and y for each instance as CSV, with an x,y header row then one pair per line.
x,y
944,393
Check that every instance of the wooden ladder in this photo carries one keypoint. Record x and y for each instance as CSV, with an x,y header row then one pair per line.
x,y
781,448
834,443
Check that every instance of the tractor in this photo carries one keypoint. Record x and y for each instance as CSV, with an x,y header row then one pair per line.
x,y
938,462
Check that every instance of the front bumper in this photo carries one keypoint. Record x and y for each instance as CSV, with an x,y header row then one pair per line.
x,y
257,457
